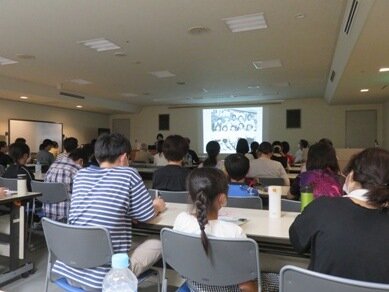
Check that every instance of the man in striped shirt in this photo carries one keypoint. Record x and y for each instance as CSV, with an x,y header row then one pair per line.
x,y
63,170
112,195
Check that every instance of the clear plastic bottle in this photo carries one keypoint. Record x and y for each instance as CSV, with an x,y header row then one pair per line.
x,y
38,169
120,278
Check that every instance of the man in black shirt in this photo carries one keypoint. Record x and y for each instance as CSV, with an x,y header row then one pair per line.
x,y
5,160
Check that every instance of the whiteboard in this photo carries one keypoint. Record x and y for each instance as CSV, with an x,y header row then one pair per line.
x,y
35,132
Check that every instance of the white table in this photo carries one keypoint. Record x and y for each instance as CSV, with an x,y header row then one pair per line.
x,y
292,176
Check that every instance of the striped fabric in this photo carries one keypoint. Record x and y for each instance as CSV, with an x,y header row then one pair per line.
x,y
110,197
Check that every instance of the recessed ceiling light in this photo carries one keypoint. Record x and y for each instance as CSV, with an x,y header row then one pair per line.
x,y
253,86
246,22
364,90
100,44
6,61
78,106
24,97
127,94
162,74
80,81
299,16
267,64
384,69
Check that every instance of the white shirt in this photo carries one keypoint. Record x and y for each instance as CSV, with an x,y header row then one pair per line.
x,y
267,168
188,223
160,160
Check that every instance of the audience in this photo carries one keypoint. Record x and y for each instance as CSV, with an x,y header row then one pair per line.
x,y
172,177
44,157
54,149
159,158
278,154
63,170
20,140
69,144
264,167
322,174
5,159
285,150
302,153
254,151
112,195
143,155
213,150
19,153
192,153
242,146
237,167
348,236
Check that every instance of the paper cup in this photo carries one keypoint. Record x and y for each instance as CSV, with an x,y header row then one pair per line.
x,y
275,201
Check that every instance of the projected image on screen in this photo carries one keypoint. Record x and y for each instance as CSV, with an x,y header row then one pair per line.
x,y
229,124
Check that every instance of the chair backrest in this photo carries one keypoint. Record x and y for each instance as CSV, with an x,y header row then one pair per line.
x,y
78,246
51,192
271,181
2,169
10,183
245,202
290,205
171,196
295,279
185,254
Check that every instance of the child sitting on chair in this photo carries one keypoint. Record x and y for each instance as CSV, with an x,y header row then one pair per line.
x,y
207,189
237,167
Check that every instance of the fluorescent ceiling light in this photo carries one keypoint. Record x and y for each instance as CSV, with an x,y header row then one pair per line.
x,y
100,45
253,86
78,106
5,61
162,74
127,94
80,81
384,69
24,97
364,90
267,64
246,22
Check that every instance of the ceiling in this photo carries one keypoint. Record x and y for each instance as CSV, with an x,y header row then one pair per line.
x,y
215,66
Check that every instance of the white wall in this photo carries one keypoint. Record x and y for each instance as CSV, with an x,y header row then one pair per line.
x,y
317,117
386,125
76,123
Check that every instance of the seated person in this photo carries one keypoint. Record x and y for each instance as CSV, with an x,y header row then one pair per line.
x,y
237,166
348,236
19,153
253,154
143,155
285,150
63,170
44,157
112,195
192,153
159,158
207,188
213,150
5,159
172,177
69,144
322,174
302,153
264,167
278,155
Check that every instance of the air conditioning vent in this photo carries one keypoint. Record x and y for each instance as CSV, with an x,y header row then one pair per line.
x,y
332,76
351,15
71,95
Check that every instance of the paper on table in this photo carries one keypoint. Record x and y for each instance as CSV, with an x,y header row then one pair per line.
x,y
232,219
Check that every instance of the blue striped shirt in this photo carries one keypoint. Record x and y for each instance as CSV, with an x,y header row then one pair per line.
x,y
111,197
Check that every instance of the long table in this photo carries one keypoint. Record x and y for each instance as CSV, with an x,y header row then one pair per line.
x,y
272,235
17,264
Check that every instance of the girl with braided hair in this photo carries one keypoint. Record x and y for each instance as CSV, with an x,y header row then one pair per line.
x,y
207,190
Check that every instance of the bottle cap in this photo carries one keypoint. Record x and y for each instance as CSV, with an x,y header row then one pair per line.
x,y
306,189
22,176
120,260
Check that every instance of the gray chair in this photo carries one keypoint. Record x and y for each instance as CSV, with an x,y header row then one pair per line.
x,y
295,279
290,205
185,254
271,181
52,193
171,196
245,202
86,242
10,183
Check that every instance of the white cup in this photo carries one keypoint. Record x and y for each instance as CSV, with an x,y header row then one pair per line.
x,y
22,184
275,201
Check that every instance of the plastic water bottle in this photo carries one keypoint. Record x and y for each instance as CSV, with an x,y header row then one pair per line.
x,y
120,277
38,169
